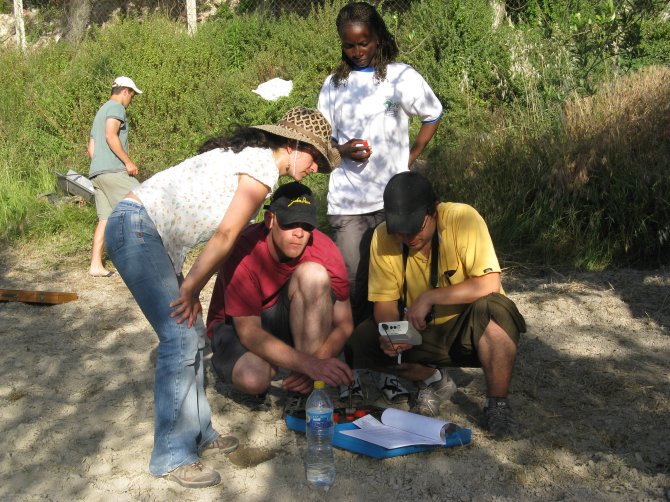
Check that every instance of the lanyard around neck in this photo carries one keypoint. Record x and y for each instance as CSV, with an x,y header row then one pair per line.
x,y
434,260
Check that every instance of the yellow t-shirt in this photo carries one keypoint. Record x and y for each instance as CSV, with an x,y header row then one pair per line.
x,y
466,250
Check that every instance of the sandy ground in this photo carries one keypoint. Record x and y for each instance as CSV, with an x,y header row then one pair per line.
x,y
590,390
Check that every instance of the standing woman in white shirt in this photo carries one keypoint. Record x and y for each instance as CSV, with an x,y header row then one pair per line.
x,y
368,100
207,198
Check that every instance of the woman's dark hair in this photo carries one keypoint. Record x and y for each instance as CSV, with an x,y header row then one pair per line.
x,y
243,137
387,48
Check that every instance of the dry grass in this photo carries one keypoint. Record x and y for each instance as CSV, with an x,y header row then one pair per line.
x,y
602,129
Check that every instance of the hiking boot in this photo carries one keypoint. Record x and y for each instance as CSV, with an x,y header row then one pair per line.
x,y
499,420
220,444
392,390
195,475
356,390
295,404
430,397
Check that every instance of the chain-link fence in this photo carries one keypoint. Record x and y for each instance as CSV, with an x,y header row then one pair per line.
x,y
33,21
302,7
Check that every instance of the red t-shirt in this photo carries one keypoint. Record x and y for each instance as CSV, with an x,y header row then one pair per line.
x,y
250,279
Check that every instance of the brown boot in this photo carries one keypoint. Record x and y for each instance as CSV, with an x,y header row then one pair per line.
x,y
221,444
195,475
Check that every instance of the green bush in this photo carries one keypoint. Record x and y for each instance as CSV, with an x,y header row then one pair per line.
x,y
510,91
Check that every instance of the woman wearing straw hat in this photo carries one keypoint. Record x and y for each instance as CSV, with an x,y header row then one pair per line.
x,y
207,198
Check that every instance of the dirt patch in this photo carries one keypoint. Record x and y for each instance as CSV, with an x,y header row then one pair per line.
x,y
251,457
590,390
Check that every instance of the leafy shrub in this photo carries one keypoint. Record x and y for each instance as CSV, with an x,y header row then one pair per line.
x,y
513,141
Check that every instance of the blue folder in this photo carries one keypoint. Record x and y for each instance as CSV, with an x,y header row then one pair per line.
x,y
460,437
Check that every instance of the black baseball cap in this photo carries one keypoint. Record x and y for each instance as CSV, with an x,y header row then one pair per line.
x,y
408,198
294,203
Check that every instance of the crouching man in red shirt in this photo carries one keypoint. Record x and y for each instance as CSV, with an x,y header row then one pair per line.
x,y
281,300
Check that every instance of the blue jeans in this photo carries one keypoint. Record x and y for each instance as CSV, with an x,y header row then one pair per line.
x,y
182,417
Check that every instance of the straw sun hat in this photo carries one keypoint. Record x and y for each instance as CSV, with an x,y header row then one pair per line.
x,y
307,125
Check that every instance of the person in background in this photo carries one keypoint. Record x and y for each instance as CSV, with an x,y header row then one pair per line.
x,y
369,100
207,198
282,301
434,265
111,172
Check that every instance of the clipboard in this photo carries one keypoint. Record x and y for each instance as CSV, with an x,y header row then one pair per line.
x,y
296,423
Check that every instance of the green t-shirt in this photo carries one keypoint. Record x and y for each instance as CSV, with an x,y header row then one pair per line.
x,y
104,160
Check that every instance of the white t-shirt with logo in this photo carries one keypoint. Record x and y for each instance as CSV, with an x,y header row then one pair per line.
x,y
188,201
380,113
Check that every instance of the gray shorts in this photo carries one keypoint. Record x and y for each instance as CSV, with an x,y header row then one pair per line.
x,y
110,189
453,343
352,235
227,348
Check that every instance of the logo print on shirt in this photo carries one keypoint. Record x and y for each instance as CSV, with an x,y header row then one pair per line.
x,y
391,108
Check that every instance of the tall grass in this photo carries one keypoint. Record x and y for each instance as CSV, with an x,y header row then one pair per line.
x,y
589,188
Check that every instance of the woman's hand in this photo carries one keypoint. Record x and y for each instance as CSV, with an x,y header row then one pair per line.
x,y
355,149
187,307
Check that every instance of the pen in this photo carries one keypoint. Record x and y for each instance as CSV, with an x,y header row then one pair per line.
x,y
384,326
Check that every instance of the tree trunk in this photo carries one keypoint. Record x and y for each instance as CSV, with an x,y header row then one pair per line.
x,y
20,27
191,16
78,16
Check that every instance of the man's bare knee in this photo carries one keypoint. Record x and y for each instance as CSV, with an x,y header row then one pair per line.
x,y
497,338
251,384
252,374
310,279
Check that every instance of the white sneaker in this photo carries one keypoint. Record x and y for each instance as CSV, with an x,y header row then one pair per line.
x,y
356,390
392,390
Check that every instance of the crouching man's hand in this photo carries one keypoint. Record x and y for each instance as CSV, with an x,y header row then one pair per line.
x,y
331,370
298,382
393,350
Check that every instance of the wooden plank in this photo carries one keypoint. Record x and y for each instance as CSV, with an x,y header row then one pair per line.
x,y
27,296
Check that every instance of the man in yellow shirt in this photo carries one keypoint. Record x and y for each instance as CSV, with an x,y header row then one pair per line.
x,y
434,265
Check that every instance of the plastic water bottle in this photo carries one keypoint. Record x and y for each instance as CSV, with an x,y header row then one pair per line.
x,y
319,428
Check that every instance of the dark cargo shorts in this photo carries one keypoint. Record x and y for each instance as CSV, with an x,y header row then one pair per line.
x,y
453,343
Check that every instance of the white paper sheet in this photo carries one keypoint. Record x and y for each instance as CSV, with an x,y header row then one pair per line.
x,y
399,428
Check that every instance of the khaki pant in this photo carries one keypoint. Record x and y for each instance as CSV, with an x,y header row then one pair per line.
x,y
110,189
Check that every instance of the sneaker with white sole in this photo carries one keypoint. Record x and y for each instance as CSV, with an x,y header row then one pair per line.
x,y
499,420
430,397
392,390
195,475
356,390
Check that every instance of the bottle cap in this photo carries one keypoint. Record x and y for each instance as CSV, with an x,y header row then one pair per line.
x,y
318,384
